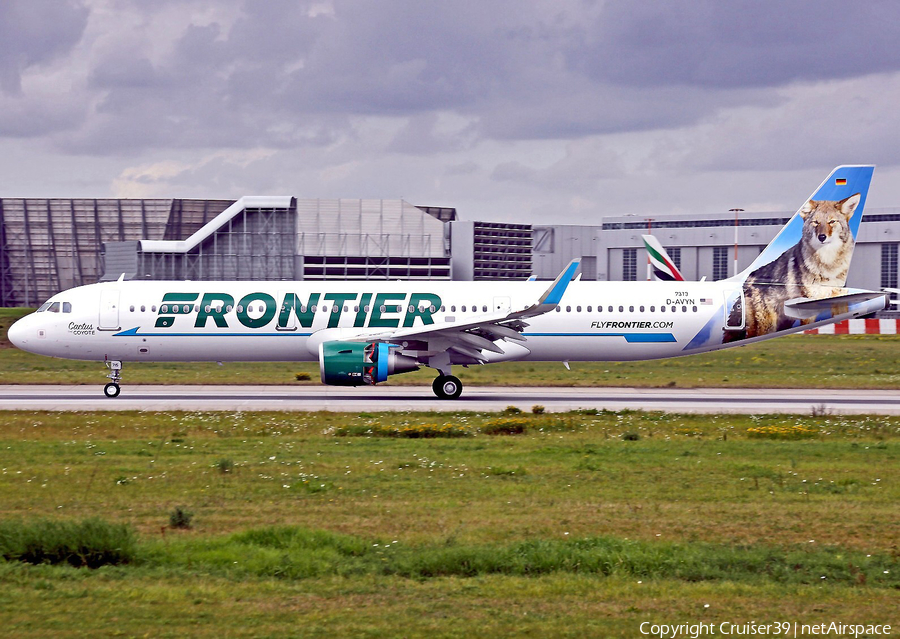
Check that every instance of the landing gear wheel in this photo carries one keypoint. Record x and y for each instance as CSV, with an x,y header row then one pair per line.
x,y
115,376
447,387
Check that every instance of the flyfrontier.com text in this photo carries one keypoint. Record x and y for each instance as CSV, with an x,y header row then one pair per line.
x,y
632,324
772,629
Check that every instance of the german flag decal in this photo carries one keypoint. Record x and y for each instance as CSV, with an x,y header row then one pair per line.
x,y
840,181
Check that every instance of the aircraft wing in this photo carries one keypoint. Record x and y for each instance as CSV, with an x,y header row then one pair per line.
x,y
481,332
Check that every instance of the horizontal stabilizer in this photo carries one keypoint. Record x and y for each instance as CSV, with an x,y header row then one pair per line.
x,y
805,308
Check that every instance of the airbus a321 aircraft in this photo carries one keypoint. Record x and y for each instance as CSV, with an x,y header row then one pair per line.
x,y
363,332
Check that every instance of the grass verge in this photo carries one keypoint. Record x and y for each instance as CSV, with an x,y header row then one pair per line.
x,y
567,528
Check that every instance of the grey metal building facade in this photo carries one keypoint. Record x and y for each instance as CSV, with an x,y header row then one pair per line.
x,y
48,245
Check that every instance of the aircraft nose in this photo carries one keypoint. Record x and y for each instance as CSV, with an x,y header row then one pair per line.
x,y
16,333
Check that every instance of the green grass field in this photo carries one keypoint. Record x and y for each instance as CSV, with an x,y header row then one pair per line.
x,y
583,525
807,361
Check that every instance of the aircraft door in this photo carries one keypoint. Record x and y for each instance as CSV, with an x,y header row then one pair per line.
x,y
734,309
286,308
109,310
501,305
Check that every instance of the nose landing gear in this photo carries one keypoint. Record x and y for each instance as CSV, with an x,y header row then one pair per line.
x,y
112,389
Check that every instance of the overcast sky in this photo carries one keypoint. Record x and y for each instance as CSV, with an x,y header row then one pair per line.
x,y
519,110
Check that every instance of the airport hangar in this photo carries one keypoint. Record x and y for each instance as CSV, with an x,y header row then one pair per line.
x,y
49,245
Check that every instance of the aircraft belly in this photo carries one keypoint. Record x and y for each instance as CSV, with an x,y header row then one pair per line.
x,y
207,348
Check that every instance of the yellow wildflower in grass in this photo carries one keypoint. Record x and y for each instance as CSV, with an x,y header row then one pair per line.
x,y
783,431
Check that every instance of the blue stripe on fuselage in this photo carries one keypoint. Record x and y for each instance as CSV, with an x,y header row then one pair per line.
x,y
629,337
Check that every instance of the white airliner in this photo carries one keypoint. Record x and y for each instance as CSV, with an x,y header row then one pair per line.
x,y
363,332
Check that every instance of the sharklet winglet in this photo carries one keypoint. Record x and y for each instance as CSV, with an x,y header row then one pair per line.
x,y
555,292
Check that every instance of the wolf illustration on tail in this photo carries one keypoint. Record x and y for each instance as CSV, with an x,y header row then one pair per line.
x,y
808,260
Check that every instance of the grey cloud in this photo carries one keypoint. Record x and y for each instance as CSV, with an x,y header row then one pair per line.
x,y
513,172
738,44
463,168
33,33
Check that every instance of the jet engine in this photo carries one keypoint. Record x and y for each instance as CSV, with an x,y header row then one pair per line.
x,y
358,363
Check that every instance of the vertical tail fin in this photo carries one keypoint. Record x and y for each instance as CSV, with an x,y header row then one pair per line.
x,y
663,267
837,205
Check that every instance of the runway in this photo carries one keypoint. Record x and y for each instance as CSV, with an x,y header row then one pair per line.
x,y
474,398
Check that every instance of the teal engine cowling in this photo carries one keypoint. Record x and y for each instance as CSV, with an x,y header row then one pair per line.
x,y
358,363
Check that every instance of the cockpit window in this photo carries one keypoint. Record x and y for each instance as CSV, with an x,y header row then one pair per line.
x,y
43,307
67,307
54,307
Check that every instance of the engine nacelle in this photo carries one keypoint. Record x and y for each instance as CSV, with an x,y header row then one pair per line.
x,y
358,363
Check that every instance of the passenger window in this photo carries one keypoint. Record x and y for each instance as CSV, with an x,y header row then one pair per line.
x,y
207,308
631,309
568,309
621,309
67,307
610,309
143,309
695,309
652,309
228,308
366,309
673,309
240,308
662,309
558,309
153,308
382,308
684,309
578,308
356,309
433,309
642,309
131,309
453,309
589,309
484,309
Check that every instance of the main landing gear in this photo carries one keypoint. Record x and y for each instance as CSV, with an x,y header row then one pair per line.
x,y
112,389
447,387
